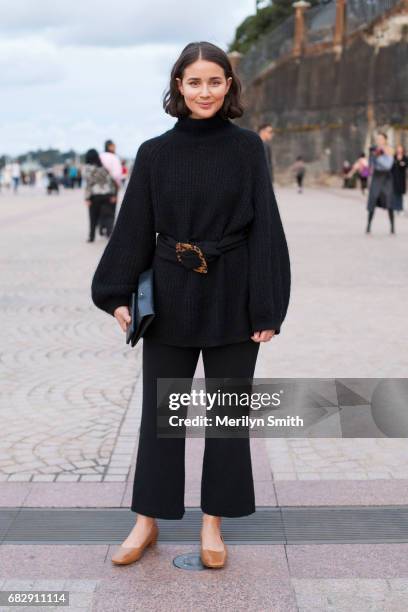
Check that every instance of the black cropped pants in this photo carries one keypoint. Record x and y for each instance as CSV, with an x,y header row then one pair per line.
x,y
227,487
97,202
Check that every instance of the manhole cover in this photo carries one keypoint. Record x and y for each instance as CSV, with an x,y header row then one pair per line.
x,y
190,561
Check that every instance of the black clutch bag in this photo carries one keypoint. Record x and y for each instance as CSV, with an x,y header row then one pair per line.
x,y
141,308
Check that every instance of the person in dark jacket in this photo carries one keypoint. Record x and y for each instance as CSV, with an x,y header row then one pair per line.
x,y
221,286
299,171
52,183
381,187
399,176
265,131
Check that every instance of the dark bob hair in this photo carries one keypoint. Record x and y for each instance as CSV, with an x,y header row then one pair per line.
x,y
92,158
173,101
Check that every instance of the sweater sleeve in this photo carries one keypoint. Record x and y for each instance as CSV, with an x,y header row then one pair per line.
x,y
269,264
131,245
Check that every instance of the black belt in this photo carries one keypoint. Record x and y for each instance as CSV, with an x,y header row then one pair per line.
x,y
196,255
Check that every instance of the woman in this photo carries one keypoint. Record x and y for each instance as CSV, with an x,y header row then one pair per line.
x,y
347,183
299,170
381,187
204,183
362,168
99,189
399,177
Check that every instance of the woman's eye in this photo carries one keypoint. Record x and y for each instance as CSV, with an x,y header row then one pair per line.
x,y
216,83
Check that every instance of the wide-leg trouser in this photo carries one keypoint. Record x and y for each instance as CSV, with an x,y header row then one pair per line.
x,y
227,487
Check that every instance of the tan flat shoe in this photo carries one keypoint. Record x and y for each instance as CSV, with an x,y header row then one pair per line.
x,y
213,558
129,554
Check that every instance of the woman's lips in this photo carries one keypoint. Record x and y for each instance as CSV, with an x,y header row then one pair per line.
x,y
205,105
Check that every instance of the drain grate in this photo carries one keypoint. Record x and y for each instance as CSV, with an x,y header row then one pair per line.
x,y
268,525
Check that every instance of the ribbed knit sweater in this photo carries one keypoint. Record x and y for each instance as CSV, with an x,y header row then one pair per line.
x,y
201,180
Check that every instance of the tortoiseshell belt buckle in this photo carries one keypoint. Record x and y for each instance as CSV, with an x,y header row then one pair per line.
x,y
181,247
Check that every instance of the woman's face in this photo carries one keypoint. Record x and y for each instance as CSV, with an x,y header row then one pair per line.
x,y
204,88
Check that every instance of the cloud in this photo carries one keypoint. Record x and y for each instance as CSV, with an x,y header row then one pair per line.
x,y
124,23
28,62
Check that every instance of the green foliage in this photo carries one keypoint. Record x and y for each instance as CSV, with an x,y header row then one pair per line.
x,y
48,157
265,20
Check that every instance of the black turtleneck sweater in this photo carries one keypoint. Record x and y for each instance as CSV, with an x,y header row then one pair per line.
x,y
201,180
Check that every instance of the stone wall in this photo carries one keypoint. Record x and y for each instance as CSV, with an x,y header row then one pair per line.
x,y
327,104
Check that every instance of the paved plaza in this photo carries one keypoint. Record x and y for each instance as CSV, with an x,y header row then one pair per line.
x,y
71,401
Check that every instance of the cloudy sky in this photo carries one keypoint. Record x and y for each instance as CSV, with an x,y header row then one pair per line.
x,y
75,73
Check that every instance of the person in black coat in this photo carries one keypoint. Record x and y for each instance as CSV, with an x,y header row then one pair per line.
x,y
399,176
381,187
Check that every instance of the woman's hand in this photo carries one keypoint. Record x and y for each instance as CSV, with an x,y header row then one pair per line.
x,y
263,336
122,315
87,202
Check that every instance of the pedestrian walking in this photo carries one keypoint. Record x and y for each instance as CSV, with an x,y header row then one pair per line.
x,y
299,170
79,178
113,165
7,179
348,182
362,169
99,189
265,131
16,175
125,172
66,181
52,182
72,175
221,274
381,192
399,176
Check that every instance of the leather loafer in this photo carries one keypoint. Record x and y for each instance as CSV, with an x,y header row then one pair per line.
x,y
213,558
129,554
